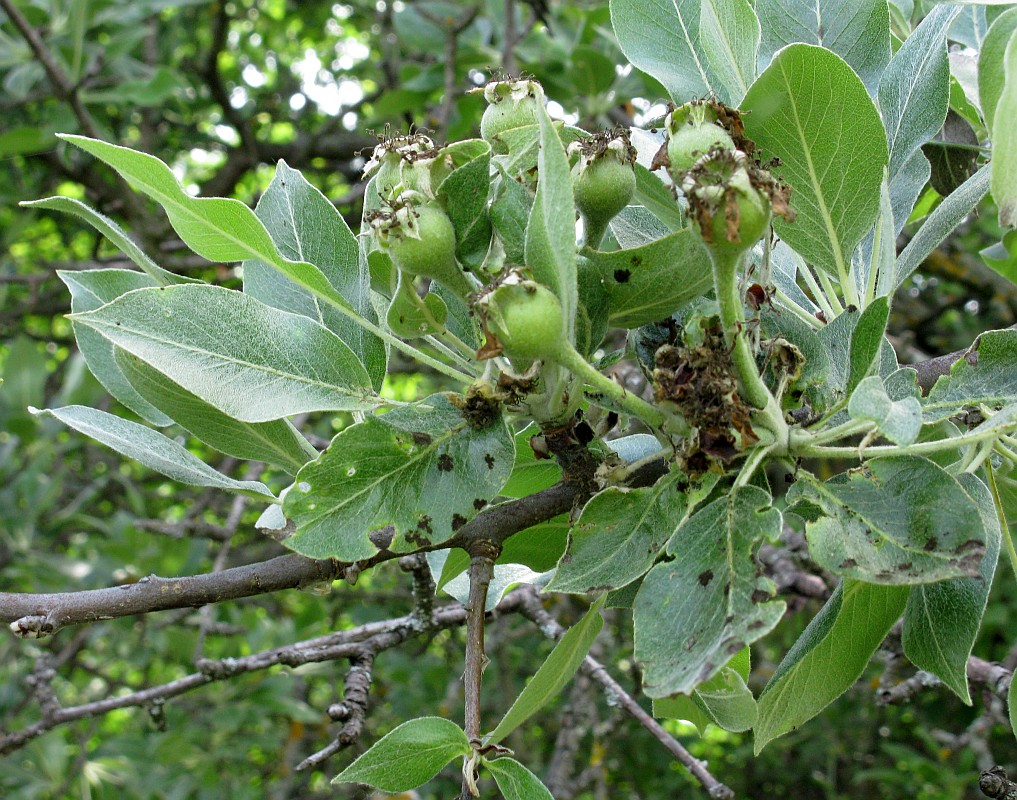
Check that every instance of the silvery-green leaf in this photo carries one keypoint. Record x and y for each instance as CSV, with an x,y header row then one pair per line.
x,y
306,227
151,449
724,700
942,620
898,520
1003,183
729,33
693,613
986,376
991,64
899,421
249,360
422,469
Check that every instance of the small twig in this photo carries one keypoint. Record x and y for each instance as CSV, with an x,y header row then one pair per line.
x,y
352,711
67,90
508,50
549,626
483,554
995,783
992,677
423,587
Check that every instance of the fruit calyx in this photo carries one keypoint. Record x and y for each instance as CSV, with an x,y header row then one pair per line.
x,y
511,104
522,319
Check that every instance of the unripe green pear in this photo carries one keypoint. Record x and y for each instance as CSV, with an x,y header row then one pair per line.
x,y
511,104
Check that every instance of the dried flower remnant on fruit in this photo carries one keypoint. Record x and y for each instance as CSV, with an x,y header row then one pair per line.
x,y
481,406
511,104
699,380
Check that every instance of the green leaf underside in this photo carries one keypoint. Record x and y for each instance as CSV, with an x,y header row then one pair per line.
x,y
552,676
858,32
306,227
516,782
408,756
551,228
729,33
811,111
650,282
904,520
941,620
1003,182
828,657
115,234
661,37
91,289
216,228
694,613
992,64
620,533
276,442
914,92
464,195
422,469
724,700
991,381
898,420
150,448
249,360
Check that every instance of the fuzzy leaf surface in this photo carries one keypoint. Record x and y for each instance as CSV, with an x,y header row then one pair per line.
x,y
92,289
422,469
249,360
991,380
904,520
811,111
275,442
150,448
307,228
858,32
408,756
694,613
516,782
941,620
898,420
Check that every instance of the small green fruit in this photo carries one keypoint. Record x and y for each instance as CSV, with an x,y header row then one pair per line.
x,y
420,239
730,208
526,318
511,104
603,180
693,131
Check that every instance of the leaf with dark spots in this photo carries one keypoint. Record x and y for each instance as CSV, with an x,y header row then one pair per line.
x,y
901,520
705,577
392,469
458,520
674,604
622,275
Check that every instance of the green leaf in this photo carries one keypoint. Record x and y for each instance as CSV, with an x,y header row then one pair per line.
x,y
987,375
92,289
422,469
858,32
866,339
901,520
407,319
408,756
551,229
150,448
941,222
941,620
992,63
530,474
620,533
276,442
804,109
510,209
216,228
1012,704
252,362
563,662
650,282
694,613
828,657
729,33
656,198
516,782
899,421
464,195
662,38
113,232
724,700
914,92
1003,183
306,227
